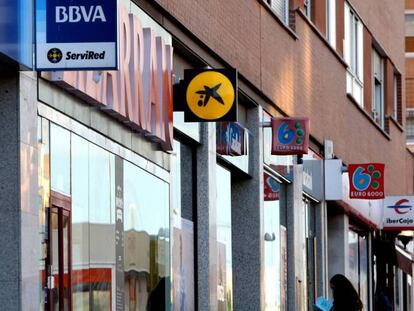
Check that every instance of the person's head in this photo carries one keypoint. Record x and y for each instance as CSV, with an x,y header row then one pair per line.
x,y
344,293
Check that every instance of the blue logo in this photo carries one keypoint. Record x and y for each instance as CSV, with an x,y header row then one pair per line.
x,y
81,21
401,207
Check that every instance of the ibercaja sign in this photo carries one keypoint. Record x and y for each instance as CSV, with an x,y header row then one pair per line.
x,y
290,136
231,139
366,181
76,34
398,213
140,92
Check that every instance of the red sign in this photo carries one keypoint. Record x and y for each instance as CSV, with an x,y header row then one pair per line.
x,y
290,136
271,188
366,181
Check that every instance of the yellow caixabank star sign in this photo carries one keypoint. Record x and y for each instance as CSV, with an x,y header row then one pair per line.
x,y
210,95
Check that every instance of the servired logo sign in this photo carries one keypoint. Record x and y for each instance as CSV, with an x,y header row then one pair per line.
x,y
398,213
84,31
290,136
366,181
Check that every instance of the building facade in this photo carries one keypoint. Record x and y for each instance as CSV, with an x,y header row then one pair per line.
x,y
110,201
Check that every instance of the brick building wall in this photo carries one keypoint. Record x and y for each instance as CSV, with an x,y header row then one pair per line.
x,y
302,76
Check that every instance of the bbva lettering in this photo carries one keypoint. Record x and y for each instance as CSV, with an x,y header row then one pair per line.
x,y
75,14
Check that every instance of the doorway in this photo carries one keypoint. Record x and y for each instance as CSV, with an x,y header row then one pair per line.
x,y
59,253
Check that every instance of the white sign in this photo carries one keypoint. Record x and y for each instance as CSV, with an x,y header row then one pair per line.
x,y
398,213
80,35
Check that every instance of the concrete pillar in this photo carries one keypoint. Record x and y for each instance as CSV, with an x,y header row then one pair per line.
x,y
247,225
19,204
338,252
296,291
206,219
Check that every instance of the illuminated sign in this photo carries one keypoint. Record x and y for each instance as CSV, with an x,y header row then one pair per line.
x,y
140,92
231,139
76,34
210,95
290,136
366,181
398,213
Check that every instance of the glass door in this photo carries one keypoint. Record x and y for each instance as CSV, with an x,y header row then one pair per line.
x,y
58,296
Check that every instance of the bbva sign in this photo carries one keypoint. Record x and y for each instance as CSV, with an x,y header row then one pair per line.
x,y
76,14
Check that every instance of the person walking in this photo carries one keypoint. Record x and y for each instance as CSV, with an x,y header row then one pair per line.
x,y
345,297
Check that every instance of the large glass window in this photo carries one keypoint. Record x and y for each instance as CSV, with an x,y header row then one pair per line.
x,y
93,180
358,265
224,248
183,230
147,243
60,159
272,244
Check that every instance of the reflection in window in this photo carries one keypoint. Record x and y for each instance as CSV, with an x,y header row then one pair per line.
x,y
80,223
60,159
272,266
182,240
224,263
358,264
146,238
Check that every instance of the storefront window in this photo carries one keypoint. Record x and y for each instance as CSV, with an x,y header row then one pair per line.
x,y
272,245
224,248
358,265
44,193
310,252
60,159
147,243
80,224
183,235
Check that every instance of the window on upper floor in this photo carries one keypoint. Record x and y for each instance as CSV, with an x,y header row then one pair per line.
x,y
281,8
331,22
307,6
353,52
409,127
377,88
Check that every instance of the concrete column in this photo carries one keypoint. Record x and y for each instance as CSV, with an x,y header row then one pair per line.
x,y
206,219
19,204
247,225
338,252
296,291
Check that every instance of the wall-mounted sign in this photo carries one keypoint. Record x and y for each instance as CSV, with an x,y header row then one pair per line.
x,y
398,213
76,34
366,181
290,136
140,92
271,188
231,139
16,31
209,95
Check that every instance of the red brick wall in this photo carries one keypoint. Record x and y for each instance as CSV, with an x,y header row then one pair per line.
x,y
303,77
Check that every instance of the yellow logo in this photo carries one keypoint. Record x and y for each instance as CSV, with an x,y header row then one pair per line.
x,y
210,95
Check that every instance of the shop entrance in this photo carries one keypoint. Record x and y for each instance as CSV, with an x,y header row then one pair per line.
x,y
58,261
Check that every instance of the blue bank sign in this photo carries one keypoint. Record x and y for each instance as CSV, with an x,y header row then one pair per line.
x,y
76,34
